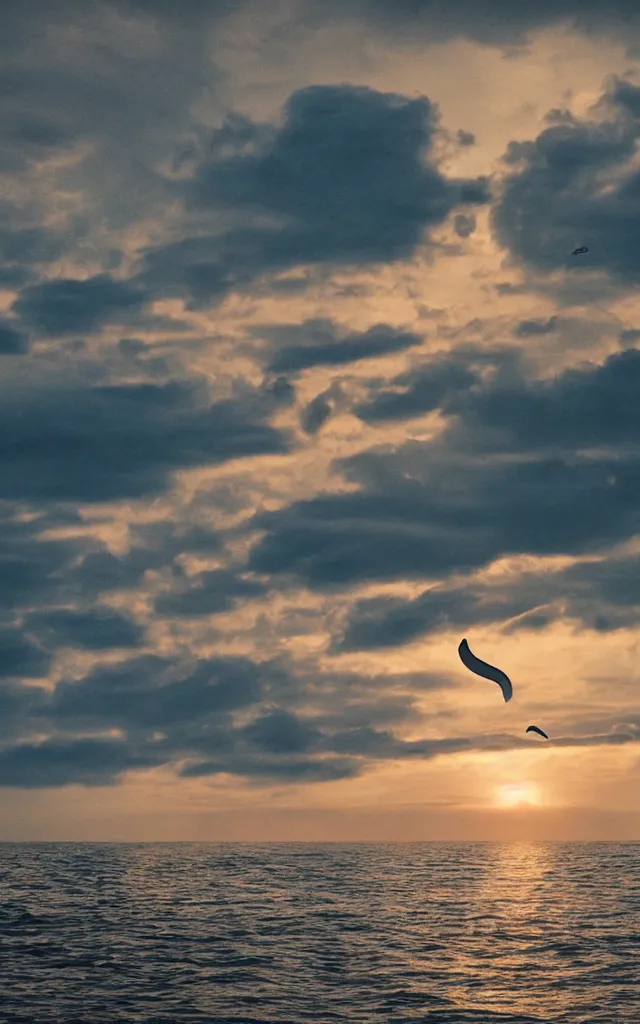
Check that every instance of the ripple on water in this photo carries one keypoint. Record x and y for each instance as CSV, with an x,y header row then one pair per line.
x,y
438,933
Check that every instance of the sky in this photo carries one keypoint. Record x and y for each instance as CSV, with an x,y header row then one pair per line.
x,y
300,384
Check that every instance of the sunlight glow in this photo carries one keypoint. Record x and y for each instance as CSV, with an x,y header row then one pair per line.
x,y
518,794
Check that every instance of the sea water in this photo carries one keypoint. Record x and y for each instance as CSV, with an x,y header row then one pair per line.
x,y
446,933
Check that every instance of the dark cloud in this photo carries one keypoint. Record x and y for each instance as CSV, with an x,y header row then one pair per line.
x,y
177,712
553,200
99,761
100,443
629,337
19,706
330,769
33,567
315,414
464,224
63,762
466,138
515,472
281,390
12,342
498,22
529,328
20,656
69,306
182,714
591,406
389,622
373,699
150,693
323,343
601,595
102,571
381,623
417,391
280,732
191,12
342,180
153,547
213,592
397,528
14,277
24,250
125,76
95,630
28,245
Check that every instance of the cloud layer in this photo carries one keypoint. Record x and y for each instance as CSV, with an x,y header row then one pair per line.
x,y
251,448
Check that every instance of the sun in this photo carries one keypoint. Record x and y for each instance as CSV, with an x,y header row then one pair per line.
x,y
518,794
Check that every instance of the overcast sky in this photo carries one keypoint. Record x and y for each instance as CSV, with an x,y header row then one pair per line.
x,y
300,383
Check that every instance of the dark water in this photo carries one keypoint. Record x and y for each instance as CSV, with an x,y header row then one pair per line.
x,y
446,933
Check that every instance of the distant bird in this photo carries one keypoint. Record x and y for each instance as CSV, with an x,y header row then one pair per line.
x,y
481,668
579,251
534,728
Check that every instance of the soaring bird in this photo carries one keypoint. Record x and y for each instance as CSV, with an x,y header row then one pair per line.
x,y
481,668
534,728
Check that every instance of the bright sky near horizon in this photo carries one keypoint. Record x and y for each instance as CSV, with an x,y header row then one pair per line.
x,y
299,385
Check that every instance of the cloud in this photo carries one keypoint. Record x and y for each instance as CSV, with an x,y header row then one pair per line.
x,y
321,342
399,528
575,185
388,622
19,706
70,307
222,715
69,442
464,224
513,472
97,629
203,716
25,249
64,761
343,180
118,123
531,328
291,770
629,337
465,138
602,595
593,405
153,547
280,732
33,566
20,657
191,12
417,391
150,693
213,593
27,245
315,414
499,22
12,342
100,761
347,177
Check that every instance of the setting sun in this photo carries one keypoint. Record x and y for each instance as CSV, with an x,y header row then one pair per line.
x,y
518,794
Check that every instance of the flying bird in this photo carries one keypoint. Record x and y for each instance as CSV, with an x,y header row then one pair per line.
x,y
534,728
579,250
481,668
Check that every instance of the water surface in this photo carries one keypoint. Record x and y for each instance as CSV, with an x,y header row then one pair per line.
x,y
446,933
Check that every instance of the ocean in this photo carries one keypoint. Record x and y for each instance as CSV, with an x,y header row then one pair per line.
x,y
446,933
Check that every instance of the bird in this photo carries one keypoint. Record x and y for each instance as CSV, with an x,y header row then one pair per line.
x,y
540,732
579,250
481,668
